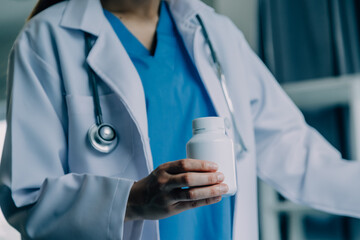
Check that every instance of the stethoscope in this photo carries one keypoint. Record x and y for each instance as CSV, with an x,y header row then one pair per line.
x,y
103,137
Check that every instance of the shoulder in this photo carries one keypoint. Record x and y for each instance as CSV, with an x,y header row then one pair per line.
x,y
214,22
38,31
224,34
52,14
40,37
220,27
223,25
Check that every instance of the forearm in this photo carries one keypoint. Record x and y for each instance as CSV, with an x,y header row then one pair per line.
x,y
72,207
312,172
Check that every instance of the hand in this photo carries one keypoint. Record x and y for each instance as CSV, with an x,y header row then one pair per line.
x,y
162,194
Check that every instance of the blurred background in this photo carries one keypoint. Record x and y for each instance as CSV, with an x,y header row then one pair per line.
x,y
313,49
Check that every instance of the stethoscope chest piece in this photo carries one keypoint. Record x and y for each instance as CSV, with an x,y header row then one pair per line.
x,y
103,137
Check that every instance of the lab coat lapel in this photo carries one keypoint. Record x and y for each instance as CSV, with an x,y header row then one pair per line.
x,y
110,62
85,15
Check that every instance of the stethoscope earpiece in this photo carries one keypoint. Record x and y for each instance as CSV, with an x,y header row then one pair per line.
x,y
103,137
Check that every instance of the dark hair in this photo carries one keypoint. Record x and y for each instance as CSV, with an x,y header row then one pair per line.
x,y
42,5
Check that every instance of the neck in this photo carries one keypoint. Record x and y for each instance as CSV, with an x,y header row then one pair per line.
x,y
142,8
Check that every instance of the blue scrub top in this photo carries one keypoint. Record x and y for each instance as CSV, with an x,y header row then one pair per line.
x,y
174,95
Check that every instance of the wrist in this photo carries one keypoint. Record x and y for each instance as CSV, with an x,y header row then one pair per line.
x,y
130,214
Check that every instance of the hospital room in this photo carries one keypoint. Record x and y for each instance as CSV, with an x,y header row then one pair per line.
x,y
180,119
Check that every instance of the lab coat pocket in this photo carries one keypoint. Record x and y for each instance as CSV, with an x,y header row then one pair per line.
x,y
82,157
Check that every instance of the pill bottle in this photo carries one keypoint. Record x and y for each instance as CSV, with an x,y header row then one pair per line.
x,y
210,143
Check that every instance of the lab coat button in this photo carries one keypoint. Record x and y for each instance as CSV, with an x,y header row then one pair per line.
x,y
227,123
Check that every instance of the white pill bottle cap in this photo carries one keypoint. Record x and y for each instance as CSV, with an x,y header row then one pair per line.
x,y
208,124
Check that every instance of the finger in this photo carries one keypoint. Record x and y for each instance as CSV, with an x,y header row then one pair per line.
x,y
195,179
199,193
183,206
190,165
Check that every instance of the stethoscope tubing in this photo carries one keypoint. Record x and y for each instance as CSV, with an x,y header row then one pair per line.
x,y
222,79
102,136
93,84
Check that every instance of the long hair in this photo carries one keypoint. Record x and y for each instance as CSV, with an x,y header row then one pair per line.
x,y
42,5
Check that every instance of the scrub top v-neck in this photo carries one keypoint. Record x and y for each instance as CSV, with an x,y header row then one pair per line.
x,y
175,95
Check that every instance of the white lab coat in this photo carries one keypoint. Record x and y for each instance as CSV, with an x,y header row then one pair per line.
x,y
54,186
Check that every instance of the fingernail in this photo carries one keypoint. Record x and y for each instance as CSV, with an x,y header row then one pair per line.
x,y
220,177
213,166
224,188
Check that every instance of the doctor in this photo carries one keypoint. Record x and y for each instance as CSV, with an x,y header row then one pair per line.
x,y
154,72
